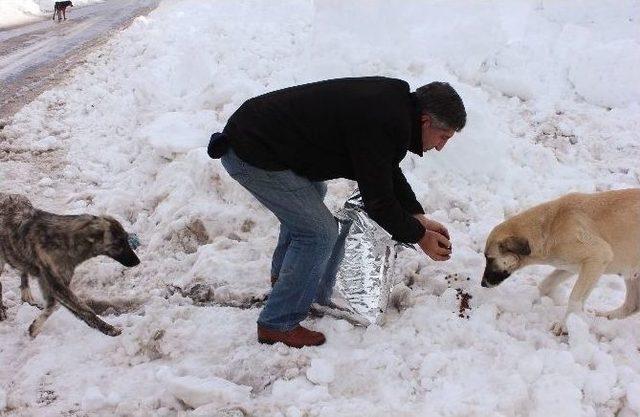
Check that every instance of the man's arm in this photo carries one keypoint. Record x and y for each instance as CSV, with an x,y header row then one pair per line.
x,y
375,179
371,154
404,193
373,167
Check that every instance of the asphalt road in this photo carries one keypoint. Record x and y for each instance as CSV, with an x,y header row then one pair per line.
x,y
36,56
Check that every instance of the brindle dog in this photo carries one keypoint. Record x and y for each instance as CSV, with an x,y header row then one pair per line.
x,y
49,247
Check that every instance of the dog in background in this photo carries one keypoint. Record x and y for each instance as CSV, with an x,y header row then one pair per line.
x,y
60,8
587,234
49,247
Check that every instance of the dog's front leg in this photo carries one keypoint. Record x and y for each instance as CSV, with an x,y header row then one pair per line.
x,y
3,309
25,291
51,306
590,271
67,298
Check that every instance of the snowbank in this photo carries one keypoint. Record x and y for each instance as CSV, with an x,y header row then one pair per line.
x,y
553,102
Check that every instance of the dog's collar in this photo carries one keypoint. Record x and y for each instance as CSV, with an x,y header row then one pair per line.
x,y
134,240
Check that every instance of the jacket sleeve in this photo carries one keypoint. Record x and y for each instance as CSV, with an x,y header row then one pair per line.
x,y
375,173
404,193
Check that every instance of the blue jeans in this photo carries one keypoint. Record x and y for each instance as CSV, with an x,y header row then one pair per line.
x,y
308,251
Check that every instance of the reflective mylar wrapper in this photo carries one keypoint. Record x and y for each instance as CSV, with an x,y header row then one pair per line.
x,y
366,275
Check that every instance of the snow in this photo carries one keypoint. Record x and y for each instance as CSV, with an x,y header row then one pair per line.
x,y
633,395
196,392
15,12
3,399
160,132
94,400
553,103
320,372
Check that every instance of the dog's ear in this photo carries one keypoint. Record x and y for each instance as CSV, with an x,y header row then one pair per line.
x,y
95,235
94,230
517,245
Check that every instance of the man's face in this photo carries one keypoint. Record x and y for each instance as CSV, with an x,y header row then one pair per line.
x,y
434,137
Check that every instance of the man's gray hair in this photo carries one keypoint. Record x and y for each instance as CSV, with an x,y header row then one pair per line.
x,y
438,123
440,101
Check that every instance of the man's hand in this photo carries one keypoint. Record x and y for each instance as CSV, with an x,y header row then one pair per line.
x,y
435,242
435,245
432,225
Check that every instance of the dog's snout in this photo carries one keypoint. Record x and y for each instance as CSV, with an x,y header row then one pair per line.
x,y
129,262
128,258
488,283
134,262
491,278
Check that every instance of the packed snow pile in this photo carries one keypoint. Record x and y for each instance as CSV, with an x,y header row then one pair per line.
x,y
553,99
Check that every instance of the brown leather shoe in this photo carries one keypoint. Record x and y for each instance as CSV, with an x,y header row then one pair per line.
x,y
296,337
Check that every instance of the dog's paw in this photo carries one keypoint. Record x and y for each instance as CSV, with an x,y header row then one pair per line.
x,y
113,331
559,329
545,291
34,329
27,297
34,303
3,313
618,313
613,314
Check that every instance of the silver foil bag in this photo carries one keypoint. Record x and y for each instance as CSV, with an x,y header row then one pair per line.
x,y
366,275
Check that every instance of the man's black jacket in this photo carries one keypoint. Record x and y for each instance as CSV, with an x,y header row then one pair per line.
x,y
355,128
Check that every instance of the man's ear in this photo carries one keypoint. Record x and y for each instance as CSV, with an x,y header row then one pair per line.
x,y
517,245
425,118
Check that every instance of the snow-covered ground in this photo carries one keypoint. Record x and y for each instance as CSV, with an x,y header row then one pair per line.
x,y
553,96
15,12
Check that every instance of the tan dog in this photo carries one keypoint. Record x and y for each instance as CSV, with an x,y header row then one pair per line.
x,y
587,234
